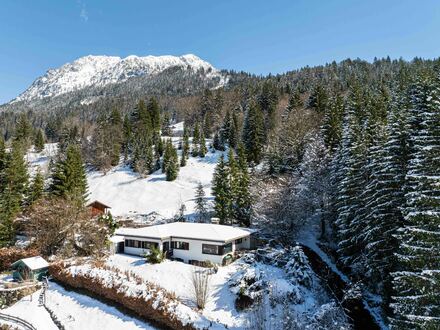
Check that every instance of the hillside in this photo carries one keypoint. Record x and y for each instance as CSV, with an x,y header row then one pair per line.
x,y
129,195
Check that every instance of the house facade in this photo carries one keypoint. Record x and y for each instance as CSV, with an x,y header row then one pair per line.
x,y
188,242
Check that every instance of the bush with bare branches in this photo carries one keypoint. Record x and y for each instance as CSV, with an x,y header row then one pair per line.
x,y
201,287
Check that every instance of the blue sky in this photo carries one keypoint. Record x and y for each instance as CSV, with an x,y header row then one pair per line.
x,y
255,36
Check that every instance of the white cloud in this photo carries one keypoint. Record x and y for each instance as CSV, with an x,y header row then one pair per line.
x,y
83,14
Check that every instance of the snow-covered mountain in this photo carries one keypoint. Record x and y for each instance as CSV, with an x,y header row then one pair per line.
x,y
100,71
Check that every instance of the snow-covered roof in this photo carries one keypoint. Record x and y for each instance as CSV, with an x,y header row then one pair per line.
x,y
188,230
116,239
34,263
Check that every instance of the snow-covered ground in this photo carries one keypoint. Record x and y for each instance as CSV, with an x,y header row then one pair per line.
x,y
129,195
75,311
175,277
27,309
283,283
41,159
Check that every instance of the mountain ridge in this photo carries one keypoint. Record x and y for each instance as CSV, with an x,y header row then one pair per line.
x,y
102,70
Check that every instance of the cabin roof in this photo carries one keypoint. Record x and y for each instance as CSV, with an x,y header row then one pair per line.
x,y
99,203
32,263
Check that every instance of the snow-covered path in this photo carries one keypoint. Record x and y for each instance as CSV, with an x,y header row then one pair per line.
x,y
27,309
75,312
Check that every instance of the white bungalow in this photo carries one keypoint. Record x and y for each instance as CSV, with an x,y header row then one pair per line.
x,y
189,242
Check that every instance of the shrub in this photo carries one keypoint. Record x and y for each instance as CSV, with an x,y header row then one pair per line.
x,y
156,256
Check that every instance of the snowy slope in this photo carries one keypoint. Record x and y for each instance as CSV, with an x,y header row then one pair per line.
x,y
75,311
100,71
127,193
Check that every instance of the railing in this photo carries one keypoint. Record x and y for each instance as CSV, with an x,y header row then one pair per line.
x,y
16,320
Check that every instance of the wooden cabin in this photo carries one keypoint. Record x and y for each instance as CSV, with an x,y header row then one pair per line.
x,y
30,269
97,208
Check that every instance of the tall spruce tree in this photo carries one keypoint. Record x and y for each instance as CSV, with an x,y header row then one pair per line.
x,y
221,191
69,176
23,131
154,109
37,188
253,134
14,179
185,148
39,141
242,211
417,282
350,187
196,140
172,165
201,204
202,144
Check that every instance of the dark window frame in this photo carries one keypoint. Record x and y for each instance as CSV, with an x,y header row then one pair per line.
x,y
180,245
137,244
219,249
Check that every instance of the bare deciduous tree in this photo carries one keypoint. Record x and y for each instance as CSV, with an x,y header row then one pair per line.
x,y
60,226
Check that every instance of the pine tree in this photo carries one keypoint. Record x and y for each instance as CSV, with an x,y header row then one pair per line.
x,y
167,155
267,101
126,137
352,183
69,176
196,140
166,125
221,191
2,156
39,141
332,127
115,136
37,188
385,197
253,134
14,179
202,144
417,282
154,109
243,201
294,101
172,165
318,99
23,131
217,144
185,148
201,205
232,183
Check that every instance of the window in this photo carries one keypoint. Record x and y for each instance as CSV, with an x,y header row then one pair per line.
x,y
227,248
180,245
212,249
239,241
149,245
140,244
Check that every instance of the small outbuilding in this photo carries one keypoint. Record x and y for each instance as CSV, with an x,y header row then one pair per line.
x,y
34,268
97,208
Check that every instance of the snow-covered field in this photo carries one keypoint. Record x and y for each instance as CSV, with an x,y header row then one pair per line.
x,y
175,277
75,311
129,195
